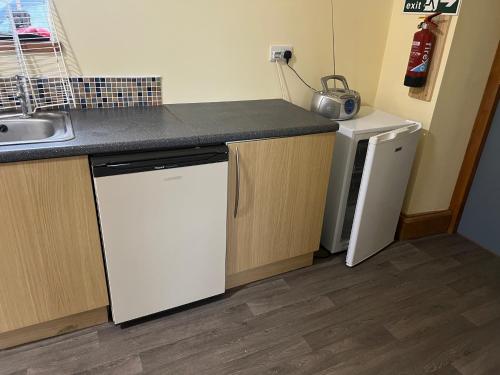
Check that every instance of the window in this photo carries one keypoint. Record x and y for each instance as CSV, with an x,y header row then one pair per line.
x,y
27,14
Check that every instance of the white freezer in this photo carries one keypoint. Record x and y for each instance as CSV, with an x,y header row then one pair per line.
x,y
164,237
348,169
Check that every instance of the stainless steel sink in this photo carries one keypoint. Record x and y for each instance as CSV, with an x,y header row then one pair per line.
x,y
39,128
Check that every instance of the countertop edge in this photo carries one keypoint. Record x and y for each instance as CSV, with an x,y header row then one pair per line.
x,y
12,156
91,141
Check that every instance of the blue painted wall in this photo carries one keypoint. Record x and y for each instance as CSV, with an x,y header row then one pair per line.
x,y
481,218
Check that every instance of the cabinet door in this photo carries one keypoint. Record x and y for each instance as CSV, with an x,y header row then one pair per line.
x,y
275,210
51,263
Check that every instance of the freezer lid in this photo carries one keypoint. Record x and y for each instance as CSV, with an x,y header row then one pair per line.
x,y
371,120
110,165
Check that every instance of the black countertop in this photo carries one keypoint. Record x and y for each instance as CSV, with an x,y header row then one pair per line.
x,y
103,131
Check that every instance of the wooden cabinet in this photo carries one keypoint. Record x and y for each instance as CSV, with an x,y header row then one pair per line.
x,y
276,199
51,265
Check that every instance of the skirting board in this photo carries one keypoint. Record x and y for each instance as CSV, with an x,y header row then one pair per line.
x,y
422,225
268,270
54,327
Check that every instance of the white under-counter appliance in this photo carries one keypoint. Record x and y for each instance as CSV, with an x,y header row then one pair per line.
x,y
163,225
372,162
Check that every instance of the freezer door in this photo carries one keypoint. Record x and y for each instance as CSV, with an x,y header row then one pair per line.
x,y
164,236
385,177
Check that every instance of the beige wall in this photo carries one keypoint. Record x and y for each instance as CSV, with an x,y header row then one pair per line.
x,y
472,52
449,117
218,50
392,95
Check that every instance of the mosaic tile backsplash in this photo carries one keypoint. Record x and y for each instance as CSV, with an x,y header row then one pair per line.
x,y
98,92
91,92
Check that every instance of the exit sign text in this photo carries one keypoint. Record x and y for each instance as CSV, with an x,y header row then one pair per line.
x,y
432,6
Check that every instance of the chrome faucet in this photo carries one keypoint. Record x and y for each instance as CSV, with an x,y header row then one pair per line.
x,y
23,96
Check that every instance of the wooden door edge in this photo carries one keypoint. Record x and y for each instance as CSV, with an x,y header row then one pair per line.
x,y
422,225
476,144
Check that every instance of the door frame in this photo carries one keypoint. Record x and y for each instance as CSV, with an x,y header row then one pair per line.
x,y
476,144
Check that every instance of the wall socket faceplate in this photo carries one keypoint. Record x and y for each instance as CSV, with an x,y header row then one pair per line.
x,y
276,52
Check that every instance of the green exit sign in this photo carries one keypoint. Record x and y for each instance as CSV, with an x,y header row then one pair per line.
x,y
432,6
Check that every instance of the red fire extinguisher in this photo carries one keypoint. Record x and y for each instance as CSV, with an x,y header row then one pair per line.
x,y
421,53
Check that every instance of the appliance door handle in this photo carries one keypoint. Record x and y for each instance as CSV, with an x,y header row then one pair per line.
x,y
396,134
237,193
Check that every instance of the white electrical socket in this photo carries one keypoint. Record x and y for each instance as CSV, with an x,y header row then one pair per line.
x,y
276,52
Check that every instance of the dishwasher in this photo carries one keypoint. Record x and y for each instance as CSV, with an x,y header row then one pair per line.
x,y
163,226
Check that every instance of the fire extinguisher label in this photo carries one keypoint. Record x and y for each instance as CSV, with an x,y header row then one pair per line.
x,y
421,68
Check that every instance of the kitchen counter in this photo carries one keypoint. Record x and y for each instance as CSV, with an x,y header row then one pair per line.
x,y
102,131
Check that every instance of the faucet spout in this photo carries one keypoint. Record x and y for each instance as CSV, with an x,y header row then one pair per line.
x,y
23,96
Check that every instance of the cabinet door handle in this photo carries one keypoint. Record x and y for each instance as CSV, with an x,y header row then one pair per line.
x,y
237,194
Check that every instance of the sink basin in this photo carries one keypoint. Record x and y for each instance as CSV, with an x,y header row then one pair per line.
x,y
39,128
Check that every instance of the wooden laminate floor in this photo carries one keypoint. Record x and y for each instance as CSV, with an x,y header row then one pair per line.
x,y
430,306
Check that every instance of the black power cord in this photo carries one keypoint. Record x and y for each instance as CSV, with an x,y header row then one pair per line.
x,y
287,56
